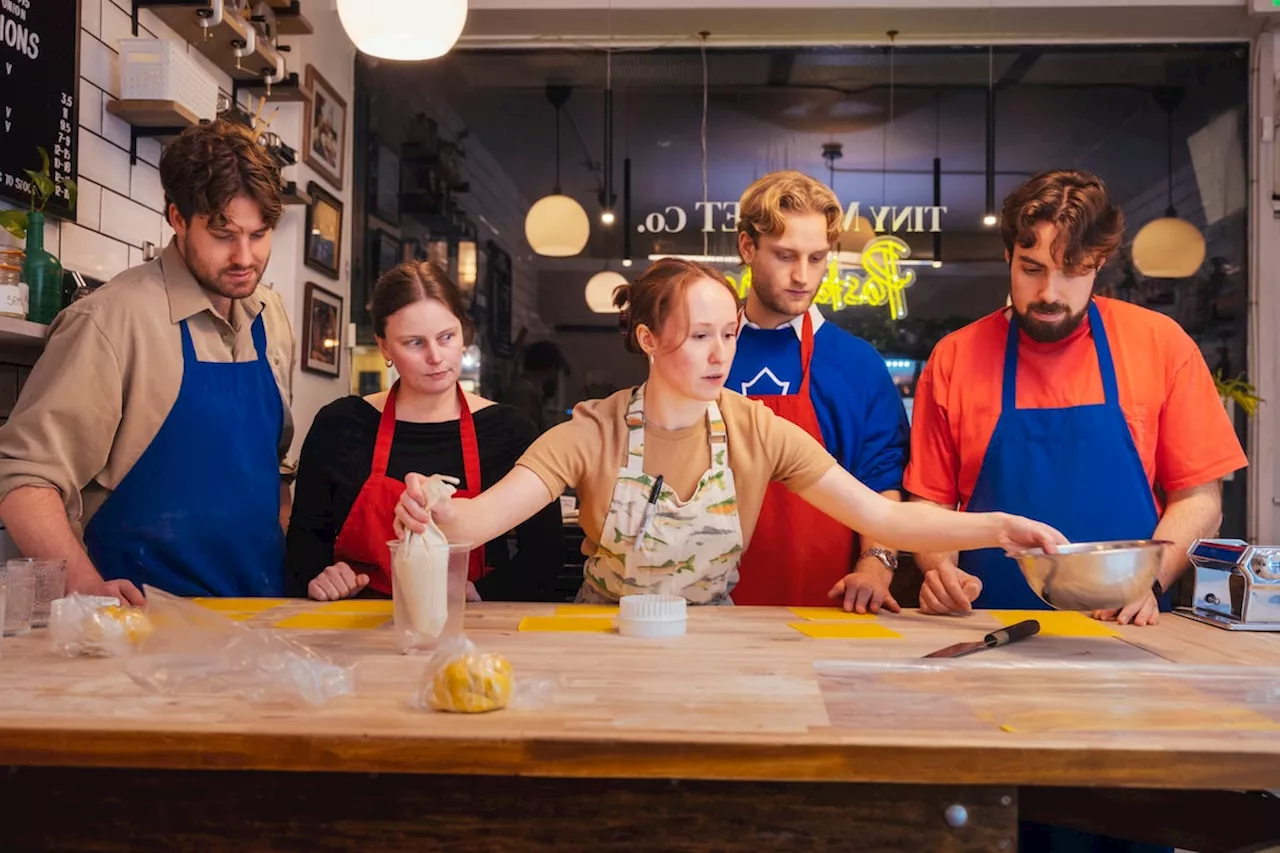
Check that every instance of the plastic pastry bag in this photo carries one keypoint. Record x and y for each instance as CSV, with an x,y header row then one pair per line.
x,y
421,568
96,626
194,649
462,679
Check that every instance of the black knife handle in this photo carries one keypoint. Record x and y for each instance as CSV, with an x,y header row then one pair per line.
x,y
1020,631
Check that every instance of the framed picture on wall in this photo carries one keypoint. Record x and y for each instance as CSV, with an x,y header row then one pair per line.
x,y
322,243
324,128
321,331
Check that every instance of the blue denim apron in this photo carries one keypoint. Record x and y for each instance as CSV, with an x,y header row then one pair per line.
x,y
1077,469
199,514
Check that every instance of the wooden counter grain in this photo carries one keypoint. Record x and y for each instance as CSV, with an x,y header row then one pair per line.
x,y
737,698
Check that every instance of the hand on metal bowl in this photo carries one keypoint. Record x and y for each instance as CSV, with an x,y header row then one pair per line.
x,y
1093,576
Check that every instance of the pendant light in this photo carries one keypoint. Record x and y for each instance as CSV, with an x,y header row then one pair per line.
x,y
600,290
557,226
1169,247
403,29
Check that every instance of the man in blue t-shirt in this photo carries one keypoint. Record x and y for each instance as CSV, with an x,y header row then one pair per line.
x,y
824,379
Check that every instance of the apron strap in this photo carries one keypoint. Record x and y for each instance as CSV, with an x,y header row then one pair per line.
x,y
386,433
259,332
717,436
634,463
806,352
1106,364
470,447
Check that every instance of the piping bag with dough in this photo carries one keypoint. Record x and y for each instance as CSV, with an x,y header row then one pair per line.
x,y
421,568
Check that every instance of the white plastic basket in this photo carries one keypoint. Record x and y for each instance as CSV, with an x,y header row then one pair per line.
x,y
155,69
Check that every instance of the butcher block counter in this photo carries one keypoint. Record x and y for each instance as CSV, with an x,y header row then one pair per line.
x,y
761,728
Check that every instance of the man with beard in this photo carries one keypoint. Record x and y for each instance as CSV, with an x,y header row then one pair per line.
x,y
1096,416
147,445
820,377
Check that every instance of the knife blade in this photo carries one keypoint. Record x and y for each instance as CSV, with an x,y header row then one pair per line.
x,y
1003,637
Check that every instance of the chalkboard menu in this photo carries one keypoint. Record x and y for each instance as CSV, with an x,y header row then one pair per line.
x,y
39,52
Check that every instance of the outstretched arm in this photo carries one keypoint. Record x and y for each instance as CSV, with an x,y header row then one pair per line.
x,y
508,503
921,526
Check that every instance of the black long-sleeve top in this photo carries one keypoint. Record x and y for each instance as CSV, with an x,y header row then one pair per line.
x,y
337,456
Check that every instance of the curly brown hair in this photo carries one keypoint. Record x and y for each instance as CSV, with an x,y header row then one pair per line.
x,y
1090,227
209,165
413,282
765,203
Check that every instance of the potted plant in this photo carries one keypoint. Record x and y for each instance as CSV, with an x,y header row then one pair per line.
x,y
1237,392
42,271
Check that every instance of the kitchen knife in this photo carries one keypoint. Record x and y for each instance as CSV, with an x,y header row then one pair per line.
x,y
1003,637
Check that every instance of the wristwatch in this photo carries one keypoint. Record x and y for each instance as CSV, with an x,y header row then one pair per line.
x,y
884,555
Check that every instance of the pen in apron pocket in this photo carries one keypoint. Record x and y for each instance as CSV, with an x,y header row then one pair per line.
x,y
647,518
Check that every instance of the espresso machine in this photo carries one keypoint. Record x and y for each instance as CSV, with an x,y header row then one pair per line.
x,y
1237,585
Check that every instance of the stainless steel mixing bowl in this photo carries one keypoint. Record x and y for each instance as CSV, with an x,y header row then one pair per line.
x,y
1093,575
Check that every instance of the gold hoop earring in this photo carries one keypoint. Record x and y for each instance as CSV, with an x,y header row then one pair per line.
x,y
388,362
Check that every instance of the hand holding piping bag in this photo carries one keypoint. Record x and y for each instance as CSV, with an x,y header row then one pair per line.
x,y
421,497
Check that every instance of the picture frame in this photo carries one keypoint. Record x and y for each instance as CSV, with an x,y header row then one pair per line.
x,y
322,240
322,323
384,183
324,128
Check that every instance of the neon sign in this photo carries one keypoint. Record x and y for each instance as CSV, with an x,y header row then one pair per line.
x,y
883,280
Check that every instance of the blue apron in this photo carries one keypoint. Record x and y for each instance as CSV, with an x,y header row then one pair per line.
x,y
199,514
1077,469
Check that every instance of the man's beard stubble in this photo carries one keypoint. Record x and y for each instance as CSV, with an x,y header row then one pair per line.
x,y
1052,332
209,279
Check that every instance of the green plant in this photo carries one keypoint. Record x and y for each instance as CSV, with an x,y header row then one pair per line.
x,y
43,186
1243,393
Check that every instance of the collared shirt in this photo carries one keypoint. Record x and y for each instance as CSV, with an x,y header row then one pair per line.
x,y
796,323
111,371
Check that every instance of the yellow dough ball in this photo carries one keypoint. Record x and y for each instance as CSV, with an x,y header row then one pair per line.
x,y
129,621
472,684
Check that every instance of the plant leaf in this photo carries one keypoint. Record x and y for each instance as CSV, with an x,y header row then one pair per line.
x,y
44,160
43,183
15,222
72,189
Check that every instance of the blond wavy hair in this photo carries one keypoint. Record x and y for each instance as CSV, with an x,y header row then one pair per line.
x,y
763,206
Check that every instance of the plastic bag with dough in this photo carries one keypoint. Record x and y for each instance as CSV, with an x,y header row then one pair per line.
x,y
421,568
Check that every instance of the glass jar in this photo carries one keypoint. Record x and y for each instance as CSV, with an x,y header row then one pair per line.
x,y
13,293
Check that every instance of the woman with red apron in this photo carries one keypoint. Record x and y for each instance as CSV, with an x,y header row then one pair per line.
x,y
359,450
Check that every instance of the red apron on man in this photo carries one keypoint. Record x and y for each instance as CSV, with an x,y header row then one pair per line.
x,y
797,553
362,542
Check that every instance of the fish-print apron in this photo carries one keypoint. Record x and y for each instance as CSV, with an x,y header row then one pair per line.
x,y
691,549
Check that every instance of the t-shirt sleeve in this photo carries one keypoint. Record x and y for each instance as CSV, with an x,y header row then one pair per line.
x,y
561,455
798,459
1197,442
933,470
883,451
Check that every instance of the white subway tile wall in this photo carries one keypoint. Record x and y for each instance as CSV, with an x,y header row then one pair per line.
x,y
129,221
89,204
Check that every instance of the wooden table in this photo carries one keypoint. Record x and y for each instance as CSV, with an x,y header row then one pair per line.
x,y
744,734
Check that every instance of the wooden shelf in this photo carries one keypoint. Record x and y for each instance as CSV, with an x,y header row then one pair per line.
x,y
290,194
286,91
153,114
21,333
215,42
278,4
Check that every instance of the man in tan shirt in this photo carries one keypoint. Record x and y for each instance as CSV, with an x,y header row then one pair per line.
x,y
147,444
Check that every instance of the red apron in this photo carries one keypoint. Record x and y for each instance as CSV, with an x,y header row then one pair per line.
x,y
362,542
797,554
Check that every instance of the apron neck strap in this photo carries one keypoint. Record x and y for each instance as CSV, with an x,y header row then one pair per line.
x,y
806,351
467,428
1106,365
717,435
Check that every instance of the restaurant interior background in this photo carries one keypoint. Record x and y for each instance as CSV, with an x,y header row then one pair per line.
x,y
911,129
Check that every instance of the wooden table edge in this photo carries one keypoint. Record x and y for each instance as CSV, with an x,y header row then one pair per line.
x,y
560,758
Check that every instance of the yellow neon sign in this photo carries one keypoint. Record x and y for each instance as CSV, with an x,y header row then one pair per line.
x,y
883,280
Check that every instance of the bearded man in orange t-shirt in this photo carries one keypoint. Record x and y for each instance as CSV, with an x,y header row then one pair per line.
x,y
1096,416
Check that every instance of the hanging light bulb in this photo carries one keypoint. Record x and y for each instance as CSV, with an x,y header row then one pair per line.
x,y
403,29
990,220
600,290
557,226
1169,247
